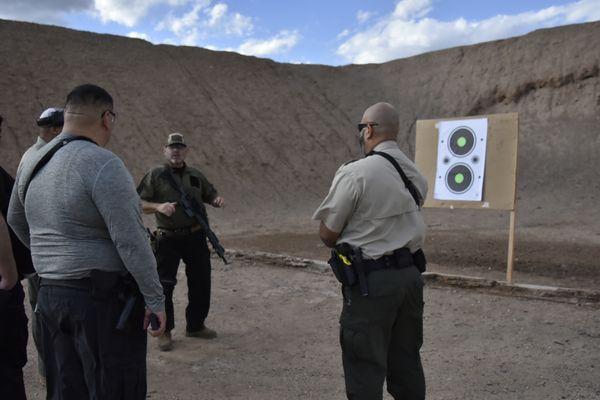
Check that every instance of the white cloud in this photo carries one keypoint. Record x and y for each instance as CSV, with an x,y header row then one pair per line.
x,y
409,9
408,31
343,34
363,16
217,13
139,35
239,25
280,43
204,20
129,12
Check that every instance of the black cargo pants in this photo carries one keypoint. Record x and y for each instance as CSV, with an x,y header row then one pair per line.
x,y
381,336
13,343
170,250
86,356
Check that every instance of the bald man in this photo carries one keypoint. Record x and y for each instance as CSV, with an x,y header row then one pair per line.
x,y
81,217
375,211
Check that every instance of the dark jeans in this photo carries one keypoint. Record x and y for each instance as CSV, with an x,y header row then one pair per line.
x,y
381,336
196,256
33,286
13,343
86,357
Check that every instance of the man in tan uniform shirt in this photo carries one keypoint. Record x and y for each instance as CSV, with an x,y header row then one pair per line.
x,y
370,207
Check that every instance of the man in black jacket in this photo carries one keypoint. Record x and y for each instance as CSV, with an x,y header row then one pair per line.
x,y
15,261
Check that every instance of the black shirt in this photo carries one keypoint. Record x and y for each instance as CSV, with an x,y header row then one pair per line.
x,y
20,252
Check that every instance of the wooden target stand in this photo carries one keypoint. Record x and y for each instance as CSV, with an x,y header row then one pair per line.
x,y
499,186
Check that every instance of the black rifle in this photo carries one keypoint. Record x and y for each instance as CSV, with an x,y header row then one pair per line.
x,y
196,210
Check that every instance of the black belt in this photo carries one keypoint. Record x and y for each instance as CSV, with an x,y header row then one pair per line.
x,y
83,283
400,258
178,231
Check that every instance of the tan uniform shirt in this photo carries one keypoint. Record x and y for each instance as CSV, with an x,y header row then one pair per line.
x,y
370,206
155,188
39,143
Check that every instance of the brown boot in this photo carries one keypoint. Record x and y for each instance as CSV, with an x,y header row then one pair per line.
x,y
203,333
165,343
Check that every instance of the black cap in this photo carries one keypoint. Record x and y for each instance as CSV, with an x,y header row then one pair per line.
x,y
52,117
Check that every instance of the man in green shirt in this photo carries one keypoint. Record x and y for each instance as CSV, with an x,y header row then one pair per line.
x,y
179,236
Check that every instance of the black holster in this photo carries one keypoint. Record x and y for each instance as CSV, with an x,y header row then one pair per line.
x,y
347,266
114,285
420,260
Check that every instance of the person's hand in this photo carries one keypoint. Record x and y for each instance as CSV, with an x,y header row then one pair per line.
x,y
9,279
162,319
218,202
166,208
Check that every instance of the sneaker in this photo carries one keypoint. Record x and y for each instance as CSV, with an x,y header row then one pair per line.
x,y
203,333
165,343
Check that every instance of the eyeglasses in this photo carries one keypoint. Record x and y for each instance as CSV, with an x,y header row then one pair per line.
x,y
112,114
363,126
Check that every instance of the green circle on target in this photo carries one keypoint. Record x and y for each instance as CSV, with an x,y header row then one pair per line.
x,y
459,178
462,141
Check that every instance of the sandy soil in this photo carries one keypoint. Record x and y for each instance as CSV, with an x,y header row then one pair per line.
x,y
462,251
278,340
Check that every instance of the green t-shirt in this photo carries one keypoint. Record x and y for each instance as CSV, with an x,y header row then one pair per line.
x,y
155,188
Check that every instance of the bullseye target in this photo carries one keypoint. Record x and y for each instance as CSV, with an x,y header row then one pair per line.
x,y
459,178
461,159
462,141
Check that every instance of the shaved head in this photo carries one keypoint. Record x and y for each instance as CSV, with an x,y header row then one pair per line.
x,y
89,112
386,117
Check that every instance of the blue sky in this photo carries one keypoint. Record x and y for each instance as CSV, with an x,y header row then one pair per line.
x,y
336,32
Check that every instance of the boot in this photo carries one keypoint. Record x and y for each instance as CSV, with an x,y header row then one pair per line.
x,y
203,333
165,343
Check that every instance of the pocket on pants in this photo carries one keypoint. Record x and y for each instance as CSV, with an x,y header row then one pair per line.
x,y
355,344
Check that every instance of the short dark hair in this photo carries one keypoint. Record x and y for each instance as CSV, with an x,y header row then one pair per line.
x,y
89,95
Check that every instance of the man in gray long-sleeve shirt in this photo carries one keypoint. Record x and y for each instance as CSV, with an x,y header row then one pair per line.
x,y
80,215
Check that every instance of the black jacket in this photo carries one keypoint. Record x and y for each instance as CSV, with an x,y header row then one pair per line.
x,y
20,252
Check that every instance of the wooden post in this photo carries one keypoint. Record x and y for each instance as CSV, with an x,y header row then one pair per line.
x,y
511,248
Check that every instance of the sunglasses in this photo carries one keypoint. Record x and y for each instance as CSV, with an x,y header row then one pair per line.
x,y
363,126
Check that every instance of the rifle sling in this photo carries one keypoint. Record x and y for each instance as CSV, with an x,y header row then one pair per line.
x,y
414,192
48,156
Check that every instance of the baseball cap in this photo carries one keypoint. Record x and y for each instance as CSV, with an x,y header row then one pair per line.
x,y
176,138
51,117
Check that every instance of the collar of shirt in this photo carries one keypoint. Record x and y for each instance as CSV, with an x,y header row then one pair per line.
x,y
386,145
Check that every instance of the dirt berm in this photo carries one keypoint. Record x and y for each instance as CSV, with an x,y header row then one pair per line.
x,y
270,135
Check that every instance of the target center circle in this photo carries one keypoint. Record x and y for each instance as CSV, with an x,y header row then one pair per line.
x,y
462,141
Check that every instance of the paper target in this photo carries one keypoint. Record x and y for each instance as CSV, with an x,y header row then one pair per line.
x,y
461,159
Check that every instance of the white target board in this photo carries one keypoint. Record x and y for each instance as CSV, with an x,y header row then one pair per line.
x,y
461,155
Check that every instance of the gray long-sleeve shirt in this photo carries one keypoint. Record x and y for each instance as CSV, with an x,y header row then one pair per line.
x,y
81,213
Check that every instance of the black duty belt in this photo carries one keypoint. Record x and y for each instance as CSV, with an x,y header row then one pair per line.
x,y
400,258
178,231
83,283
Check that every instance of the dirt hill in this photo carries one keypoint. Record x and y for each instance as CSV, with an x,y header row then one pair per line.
x,y
271,135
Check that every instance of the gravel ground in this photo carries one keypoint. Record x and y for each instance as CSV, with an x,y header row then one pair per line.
x,y
278,339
